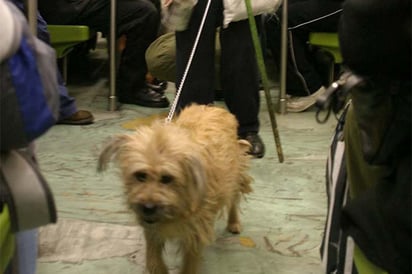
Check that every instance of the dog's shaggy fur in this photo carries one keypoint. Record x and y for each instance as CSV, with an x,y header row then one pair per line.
x,y
179,177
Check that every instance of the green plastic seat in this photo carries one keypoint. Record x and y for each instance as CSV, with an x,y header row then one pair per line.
x,y
363,265
7,239
329,42
63,38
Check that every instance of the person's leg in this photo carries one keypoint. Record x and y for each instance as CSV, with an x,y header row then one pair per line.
x,y
26,245
295,82
200,81
25,258
302,75
303,18
161,57
68,112
240,76
378,213
139,22
240,81
67,104
302,78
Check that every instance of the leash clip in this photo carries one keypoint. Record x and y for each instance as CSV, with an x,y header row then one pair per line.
x,y
335,95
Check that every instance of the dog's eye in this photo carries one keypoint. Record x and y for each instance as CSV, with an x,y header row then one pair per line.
x,y
166,179
140,176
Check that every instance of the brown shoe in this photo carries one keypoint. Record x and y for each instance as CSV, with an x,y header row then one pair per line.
x,y
80,117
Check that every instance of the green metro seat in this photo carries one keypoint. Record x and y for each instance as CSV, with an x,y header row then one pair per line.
x,y
7,239
64,38
329,42
365,266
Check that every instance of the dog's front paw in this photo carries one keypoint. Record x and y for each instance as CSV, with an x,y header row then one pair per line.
x,y
234,228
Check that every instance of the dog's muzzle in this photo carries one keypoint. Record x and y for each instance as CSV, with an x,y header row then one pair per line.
x,y
148,212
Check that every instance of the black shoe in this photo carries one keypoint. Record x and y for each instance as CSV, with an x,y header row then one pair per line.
x,y
145,97
157,85
258,148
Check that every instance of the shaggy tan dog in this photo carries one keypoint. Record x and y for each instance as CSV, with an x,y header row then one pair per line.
x,y
179,177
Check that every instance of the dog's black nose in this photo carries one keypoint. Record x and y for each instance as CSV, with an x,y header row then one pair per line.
x,y
148,209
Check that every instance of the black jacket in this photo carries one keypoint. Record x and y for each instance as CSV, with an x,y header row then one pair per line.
x,y
62,11
375,37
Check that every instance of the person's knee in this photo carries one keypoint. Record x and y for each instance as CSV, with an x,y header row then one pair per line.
x,y
161,57
139,15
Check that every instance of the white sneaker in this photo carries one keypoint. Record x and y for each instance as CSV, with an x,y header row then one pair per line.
x,y
319,92
299,104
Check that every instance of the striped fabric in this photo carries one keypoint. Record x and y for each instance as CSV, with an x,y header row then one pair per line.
x,y
337,248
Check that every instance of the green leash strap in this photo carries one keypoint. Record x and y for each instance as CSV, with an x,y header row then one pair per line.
x,y
263,74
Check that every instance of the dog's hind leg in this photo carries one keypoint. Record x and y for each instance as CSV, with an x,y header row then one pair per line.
x,y
233,222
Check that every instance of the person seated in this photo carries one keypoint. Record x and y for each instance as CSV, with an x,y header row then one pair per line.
x,y
374,222
138,21
161,58
303,79
69,114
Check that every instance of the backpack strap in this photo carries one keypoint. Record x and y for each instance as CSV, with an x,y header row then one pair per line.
x,y
26,192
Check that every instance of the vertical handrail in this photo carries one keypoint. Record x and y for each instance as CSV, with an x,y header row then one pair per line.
x,y
31,10
112,56
283,58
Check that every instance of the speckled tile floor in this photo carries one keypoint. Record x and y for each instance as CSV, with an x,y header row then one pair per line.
x,y
282,219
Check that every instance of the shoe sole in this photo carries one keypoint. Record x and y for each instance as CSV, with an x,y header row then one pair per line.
x,y
300,109
257,156
83,122
158,89
303,107
147,104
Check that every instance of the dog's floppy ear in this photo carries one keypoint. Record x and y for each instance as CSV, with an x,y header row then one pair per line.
x,y
197,174
244,145
110,149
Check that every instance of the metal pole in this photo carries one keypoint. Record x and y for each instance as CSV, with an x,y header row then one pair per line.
x,y
31,9
112,56
283,57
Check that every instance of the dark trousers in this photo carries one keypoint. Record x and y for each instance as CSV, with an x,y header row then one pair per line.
x,y
238,67
138,20
378,158
304,17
